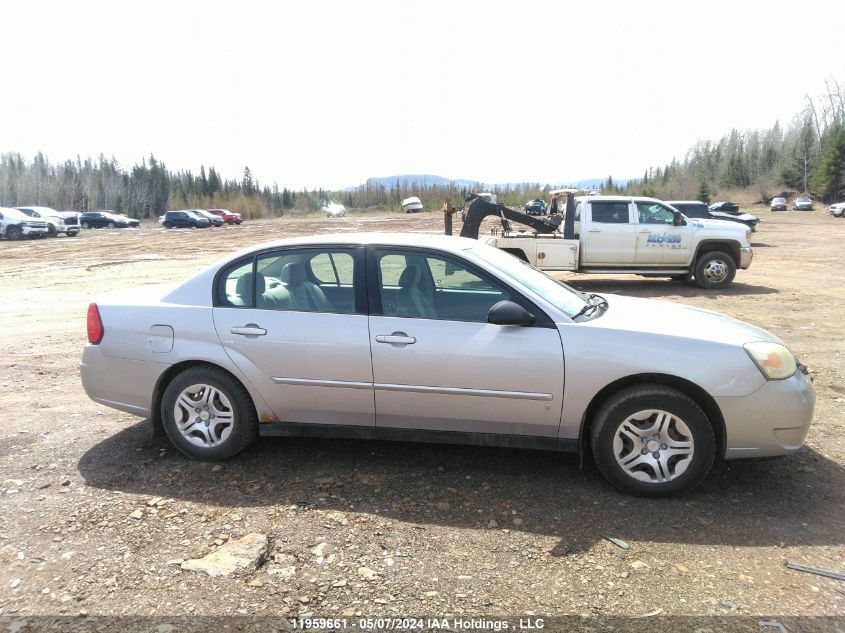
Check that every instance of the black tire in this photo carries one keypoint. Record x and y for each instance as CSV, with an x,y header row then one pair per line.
x,y
72,233
51,231
631,400
706,260
244,420
14,232
168,225
111,225
85,225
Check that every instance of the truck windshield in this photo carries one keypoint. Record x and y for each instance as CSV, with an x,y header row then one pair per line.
x,y
566,299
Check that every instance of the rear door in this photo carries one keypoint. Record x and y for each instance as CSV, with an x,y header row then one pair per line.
x,y
610,237
438,364
294,320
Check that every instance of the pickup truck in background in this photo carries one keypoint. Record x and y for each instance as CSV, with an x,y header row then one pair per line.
x,y
619,234
15,225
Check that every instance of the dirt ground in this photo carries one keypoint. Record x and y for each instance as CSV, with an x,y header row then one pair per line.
x,y
440,530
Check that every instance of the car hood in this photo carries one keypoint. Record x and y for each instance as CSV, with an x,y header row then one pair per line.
x,y
651,316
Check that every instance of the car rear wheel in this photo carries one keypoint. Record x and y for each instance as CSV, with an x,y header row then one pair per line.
x,y
111,225
652,440
207,414
85,225
715,270
168,225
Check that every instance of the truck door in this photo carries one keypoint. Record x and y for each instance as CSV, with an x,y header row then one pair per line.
x,y
659,241
608,233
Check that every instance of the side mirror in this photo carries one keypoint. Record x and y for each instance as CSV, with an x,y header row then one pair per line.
x,y
509,313
679,219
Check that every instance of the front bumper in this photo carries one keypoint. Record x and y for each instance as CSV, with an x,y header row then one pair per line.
x,y
745,257
772,421
30,231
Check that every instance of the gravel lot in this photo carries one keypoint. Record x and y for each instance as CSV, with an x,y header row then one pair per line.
x,y
97,516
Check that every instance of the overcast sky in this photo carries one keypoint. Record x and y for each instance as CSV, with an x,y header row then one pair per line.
x,y
330,93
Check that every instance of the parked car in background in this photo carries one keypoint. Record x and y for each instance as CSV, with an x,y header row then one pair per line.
x,y
281,339
412,204
55,222
184,219
334,210
700,210
725,207
779,204
536,207
71,218
837,210
131,222
102,220
803,203
215,220
228,216
15,225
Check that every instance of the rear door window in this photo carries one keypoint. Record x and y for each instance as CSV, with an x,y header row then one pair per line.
x,y
610,212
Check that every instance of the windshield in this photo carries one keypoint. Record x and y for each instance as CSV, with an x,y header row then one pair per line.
x,y
566,299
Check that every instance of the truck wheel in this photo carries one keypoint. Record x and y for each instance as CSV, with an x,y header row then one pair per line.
x,y
14,232
207,414
51,230
714,270
652,440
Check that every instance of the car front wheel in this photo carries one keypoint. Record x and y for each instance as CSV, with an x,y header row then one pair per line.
x,y
207,414
652,440
14,232
715,270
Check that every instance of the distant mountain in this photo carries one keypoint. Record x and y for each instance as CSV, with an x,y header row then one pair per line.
x,y
419,179
430,179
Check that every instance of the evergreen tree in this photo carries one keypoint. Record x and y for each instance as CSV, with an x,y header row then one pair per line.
x,y
703,191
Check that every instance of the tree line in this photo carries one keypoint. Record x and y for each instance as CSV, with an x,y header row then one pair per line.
x,y
808,156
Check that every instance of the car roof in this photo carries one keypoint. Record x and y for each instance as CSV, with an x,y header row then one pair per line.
x,y
430,240
686,202
617,199
39,209
14,213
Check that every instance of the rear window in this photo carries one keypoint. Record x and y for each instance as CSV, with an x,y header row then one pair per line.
x,y
610,212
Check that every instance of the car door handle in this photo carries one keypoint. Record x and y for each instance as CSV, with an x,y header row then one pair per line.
x,y
594,231
645,230
250,329
397,338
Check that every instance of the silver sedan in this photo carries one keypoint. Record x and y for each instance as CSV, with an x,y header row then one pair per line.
x,y
442,339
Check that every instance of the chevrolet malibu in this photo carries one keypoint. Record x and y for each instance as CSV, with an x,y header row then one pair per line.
x,y
442,339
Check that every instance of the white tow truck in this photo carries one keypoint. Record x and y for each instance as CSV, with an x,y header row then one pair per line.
x,y
618,234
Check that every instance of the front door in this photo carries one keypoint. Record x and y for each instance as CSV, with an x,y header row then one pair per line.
x,y
438,364
659,241
610,237
291,320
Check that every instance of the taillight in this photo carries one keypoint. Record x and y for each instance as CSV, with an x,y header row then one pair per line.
x,y
95,325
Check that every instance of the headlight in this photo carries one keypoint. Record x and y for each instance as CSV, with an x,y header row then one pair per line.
x,y
748,236
774,360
